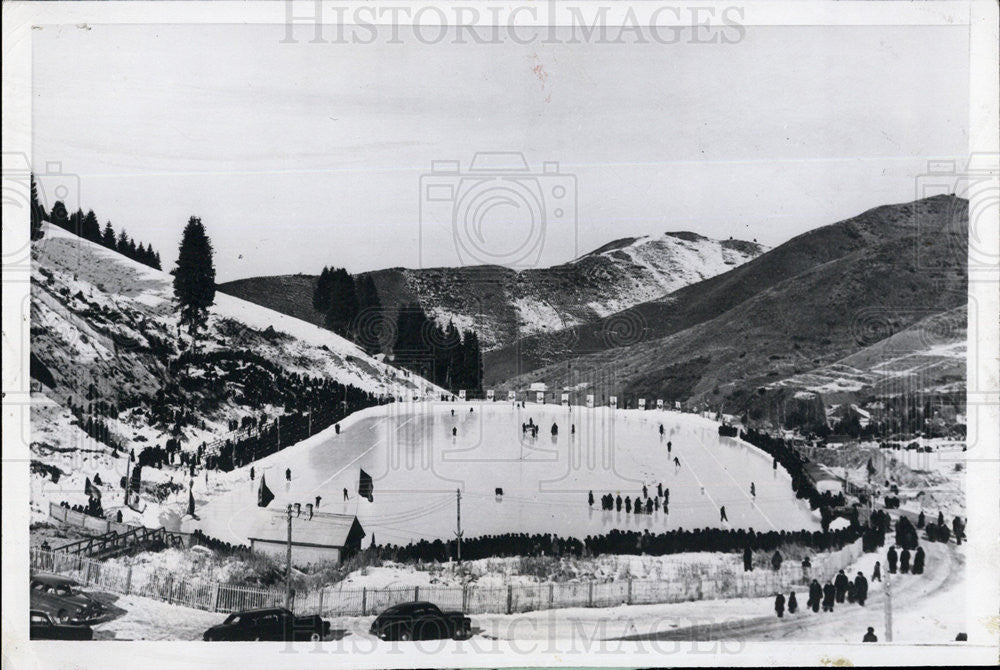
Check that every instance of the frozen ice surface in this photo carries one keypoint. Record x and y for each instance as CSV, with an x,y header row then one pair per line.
x,y
417,465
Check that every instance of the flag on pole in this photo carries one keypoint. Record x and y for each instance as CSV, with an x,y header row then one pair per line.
x,y
91,490
365,486
136,478
264,495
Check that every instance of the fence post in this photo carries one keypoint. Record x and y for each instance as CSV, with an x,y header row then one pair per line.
x,y
510,598
364,601
551,594
170,589
128,581
590,594
465,597
629,590
215,596
320,612
416,593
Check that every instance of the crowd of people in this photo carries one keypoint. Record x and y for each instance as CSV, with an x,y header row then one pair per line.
x,y
622,542
643,504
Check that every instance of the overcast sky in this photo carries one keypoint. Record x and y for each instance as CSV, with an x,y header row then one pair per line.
x,y
302,155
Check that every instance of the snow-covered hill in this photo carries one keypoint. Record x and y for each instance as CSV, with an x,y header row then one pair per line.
x,y
502,305
104,349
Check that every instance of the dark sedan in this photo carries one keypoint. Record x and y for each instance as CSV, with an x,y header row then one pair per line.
x,y
275,624
62,599
44,628
420,621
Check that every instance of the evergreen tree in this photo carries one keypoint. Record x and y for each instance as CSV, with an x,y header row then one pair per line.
x,y
90,228
156,261
108,236
194,277
38,214
342,312
76,223
59,215
121,246
321,292
369,313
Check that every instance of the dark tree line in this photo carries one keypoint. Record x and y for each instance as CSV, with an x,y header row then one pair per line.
x,y
89,228
447,356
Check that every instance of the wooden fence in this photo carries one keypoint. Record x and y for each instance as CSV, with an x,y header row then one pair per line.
x,y
332,601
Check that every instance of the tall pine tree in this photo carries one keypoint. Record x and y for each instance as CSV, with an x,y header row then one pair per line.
x,y
108,236
37,212
194,277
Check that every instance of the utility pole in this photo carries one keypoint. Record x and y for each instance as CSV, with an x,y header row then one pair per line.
x,y
458,533
888,606
288,566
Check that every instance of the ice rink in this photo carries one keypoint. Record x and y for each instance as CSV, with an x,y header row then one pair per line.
x,y
417,464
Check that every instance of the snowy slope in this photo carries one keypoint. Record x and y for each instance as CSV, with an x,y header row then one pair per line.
x,y
103,335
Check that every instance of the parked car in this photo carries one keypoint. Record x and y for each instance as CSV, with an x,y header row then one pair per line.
x,y
420,621
44,628
275,624
62,599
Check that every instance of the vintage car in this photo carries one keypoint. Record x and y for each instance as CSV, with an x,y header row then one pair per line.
x,y
275,624
44,628
62,599
420,621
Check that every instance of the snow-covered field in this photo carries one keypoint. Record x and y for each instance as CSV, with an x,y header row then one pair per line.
x,y
417,465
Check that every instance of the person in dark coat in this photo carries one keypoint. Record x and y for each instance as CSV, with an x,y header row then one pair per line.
x,y
958,526
252,474
346,497
776,560
779,605
815,596
861,588
904,561
288,474
645,492
829,593
840,584
870,635
918,561
590,499
628,505
454,431
921,519
893,559
877,572
659,490
747,559
722,514
618,502
649,505
793,604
